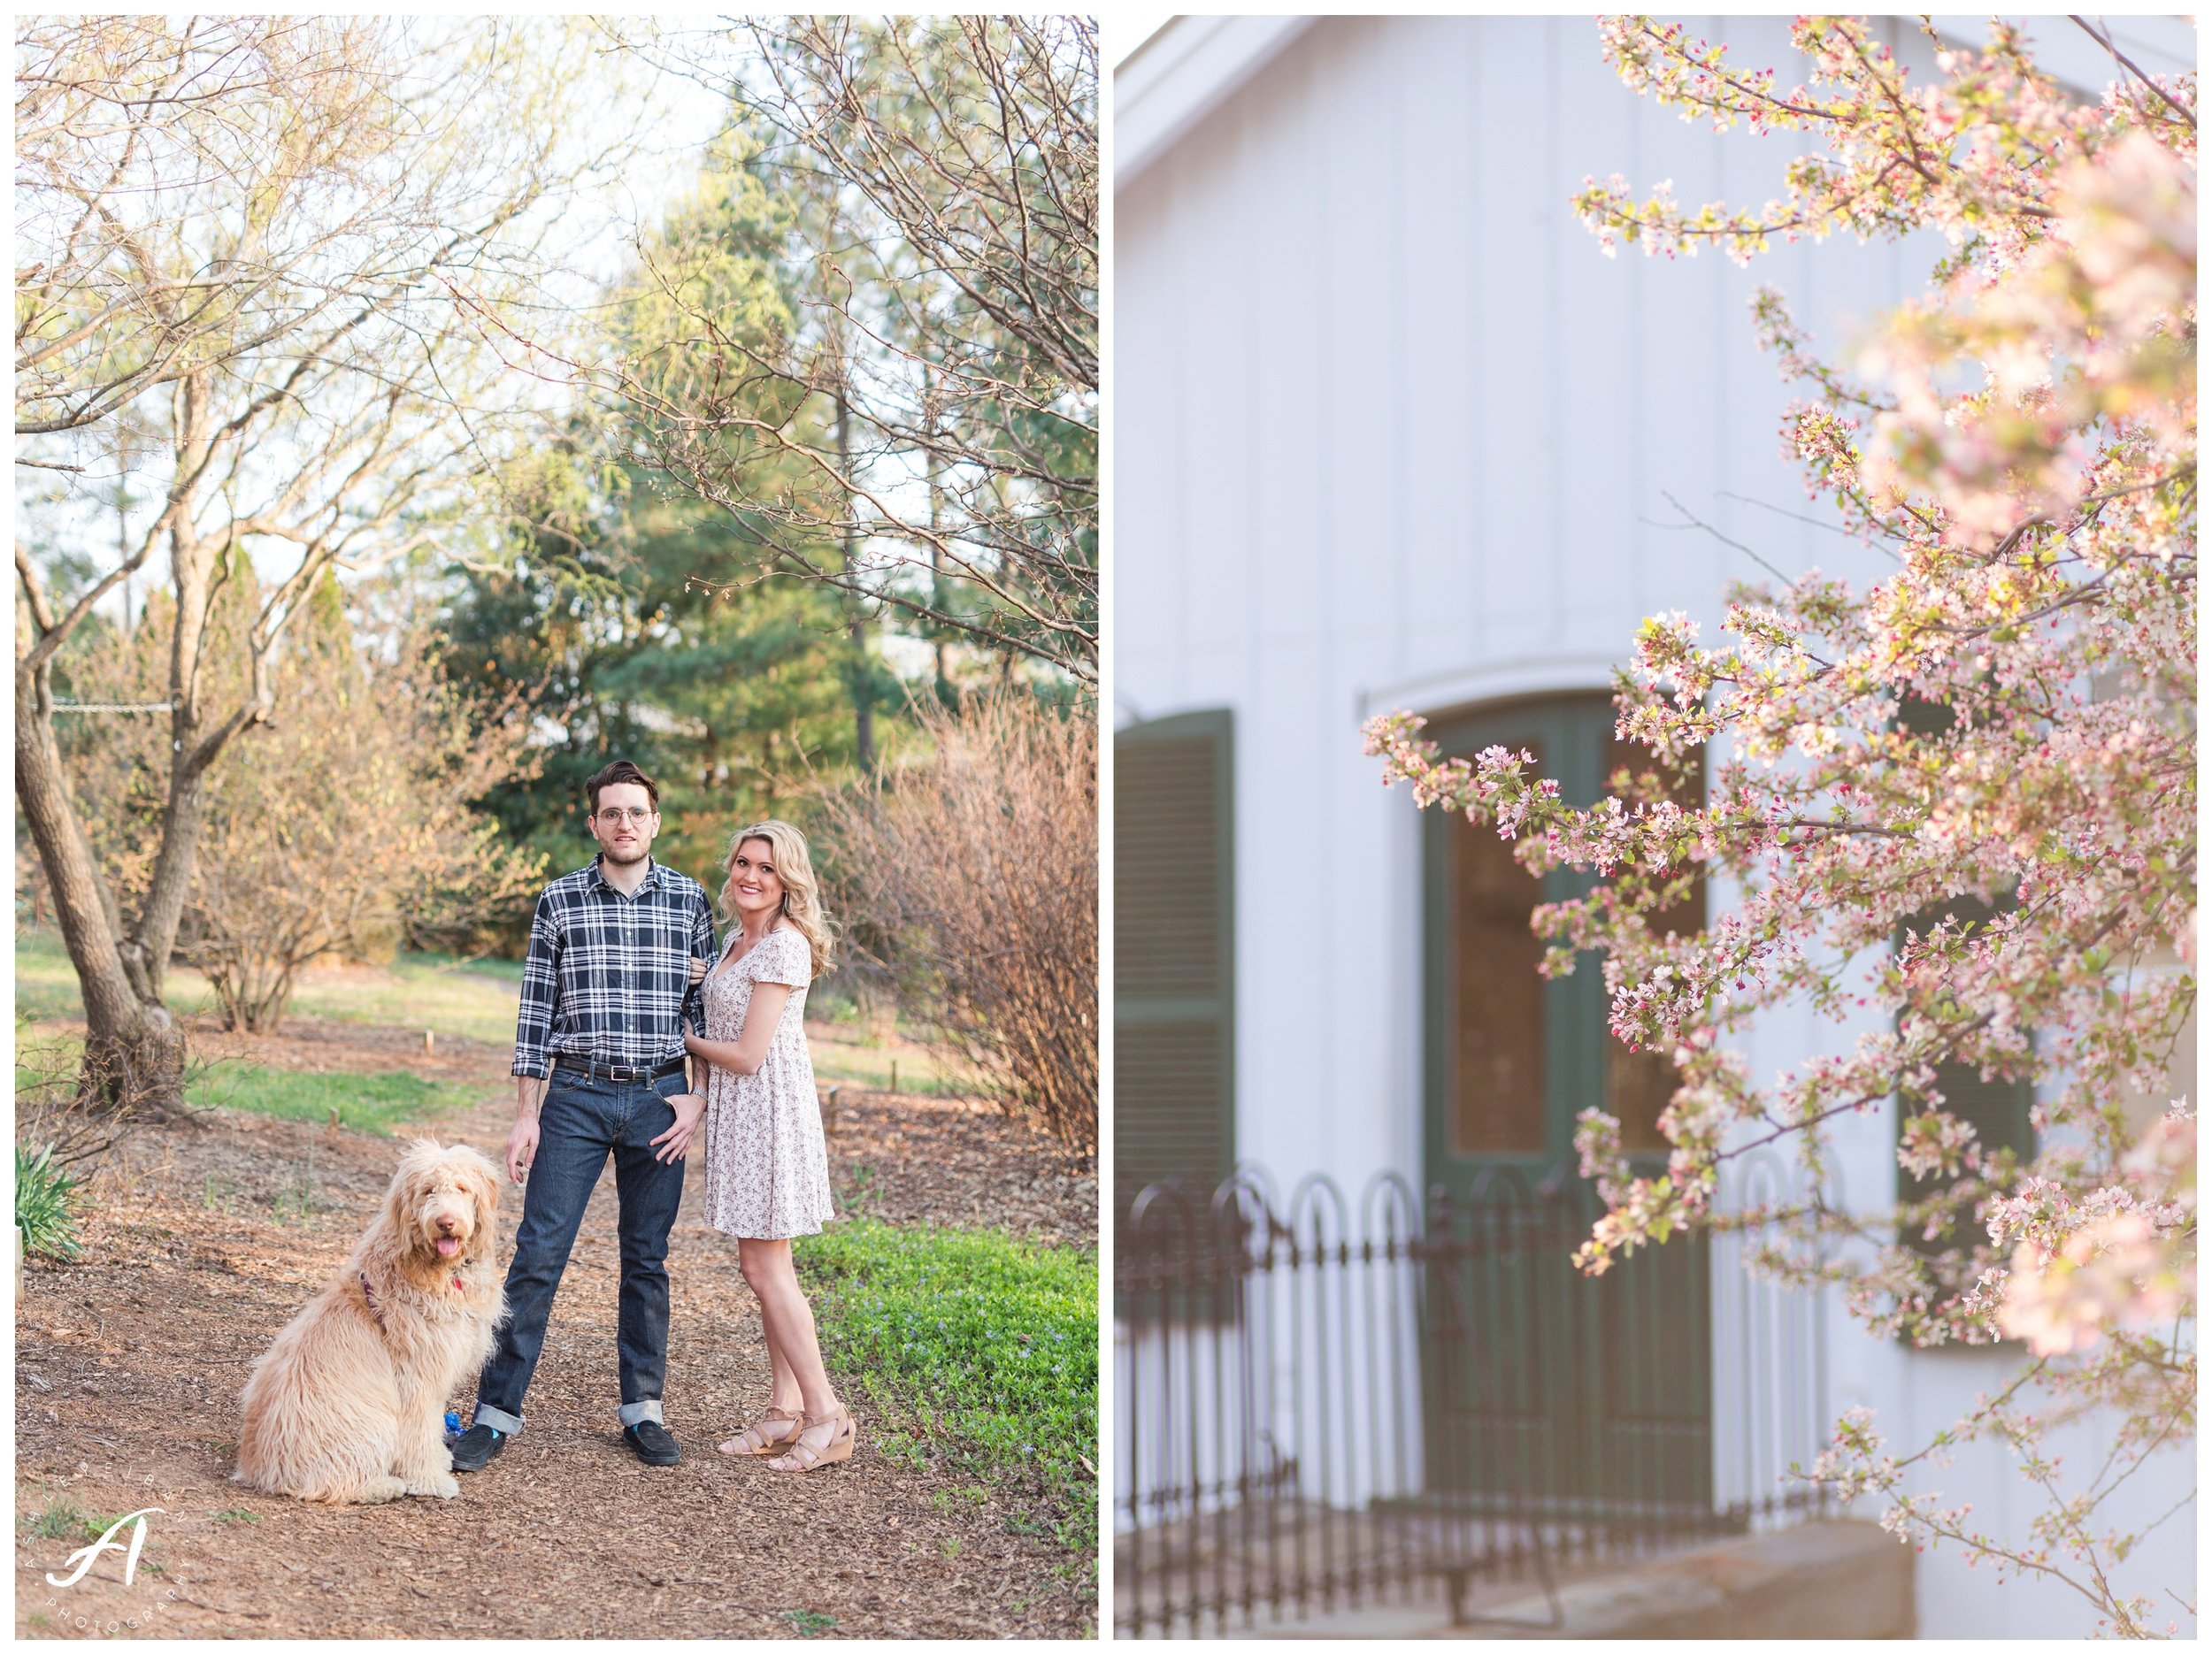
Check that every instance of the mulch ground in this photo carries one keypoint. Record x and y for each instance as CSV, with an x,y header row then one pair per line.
x,y
328,1045
205,1236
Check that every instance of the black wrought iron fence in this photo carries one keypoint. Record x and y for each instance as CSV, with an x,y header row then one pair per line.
x,y
1323,1405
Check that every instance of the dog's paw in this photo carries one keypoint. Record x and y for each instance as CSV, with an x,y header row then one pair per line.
x,y
443,1484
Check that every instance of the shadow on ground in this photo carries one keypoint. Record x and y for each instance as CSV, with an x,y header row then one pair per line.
x,y
207,1235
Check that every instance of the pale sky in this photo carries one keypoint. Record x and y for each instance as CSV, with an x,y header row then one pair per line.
x,y
1123,32
597,235
595,242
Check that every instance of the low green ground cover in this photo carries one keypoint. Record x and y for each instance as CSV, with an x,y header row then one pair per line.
x,y
971,1348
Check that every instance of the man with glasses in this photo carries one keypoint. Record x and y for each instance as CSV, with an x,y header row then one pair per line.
x,y
599,1066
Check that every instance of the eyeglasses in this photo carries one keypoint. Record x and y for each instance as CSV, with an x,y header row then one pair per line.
x,y
638,814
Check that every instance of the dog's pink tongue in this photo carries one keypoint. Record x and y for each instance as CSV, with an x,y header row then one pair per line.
x,y
448,1245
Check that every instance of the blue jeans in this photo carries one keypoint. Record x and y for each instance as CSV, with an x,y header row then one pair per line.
x,y
580,1123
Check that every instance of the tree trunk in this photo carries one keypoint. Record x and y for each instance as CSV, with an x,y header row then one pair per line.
x,y
134,1049
146,953
198,568
134,1060
275,1002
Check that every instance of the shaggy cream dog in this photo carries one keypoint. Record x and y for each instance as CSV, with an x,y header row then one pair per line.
x,y
348,1405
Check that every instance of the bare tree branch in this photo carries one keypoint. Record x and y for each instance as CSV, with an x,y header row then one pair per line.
x,y
933,382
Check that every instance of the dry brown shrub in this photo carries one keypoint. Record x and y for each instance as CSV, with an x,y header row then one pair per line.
x,y
342,821
968,876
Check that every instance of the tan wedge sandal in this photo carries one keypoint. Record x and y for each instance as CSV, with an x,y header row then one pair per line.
x,y
769,1445
800,1455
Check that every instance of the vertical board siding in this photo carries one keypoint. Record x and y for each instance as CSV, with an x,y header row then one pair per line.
x,y
1387,426
1438,418
1596,343
1388,419
1517,229
1214,390
1280,335
1148,456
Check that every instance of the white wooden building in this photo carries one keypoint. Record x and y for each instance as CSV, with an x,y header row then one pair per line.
x,y
1389,431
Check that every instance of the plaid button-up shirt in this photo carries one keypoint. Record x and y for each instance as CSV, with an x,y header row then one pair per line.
x,y
609,975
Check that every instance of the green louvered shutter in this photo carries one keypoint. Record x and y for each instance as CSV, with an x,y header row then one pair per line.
x,y
2000,1110
1174,977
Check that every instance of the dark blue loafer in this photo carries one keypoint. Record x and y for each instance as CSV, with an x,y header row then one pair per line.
x,y
653,1444
473,1449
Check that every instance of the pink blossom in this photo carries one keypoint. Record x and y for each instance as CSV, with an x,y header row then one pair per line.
x,y
2020,439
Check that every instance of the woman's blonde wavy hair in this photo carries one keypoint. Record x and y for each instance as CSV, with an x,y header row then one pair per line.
x,y
802,892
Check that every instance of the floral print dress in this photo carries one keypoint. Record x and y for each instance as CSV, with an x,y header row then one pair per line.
x,y
767,1170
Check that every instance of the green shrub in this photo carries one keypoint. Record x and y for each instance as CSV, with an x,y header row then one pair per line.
x,y
971,1350
46,1199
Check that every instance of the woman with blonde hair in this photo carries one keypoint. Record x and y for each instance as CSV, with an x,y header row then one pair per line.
x,y
767,1170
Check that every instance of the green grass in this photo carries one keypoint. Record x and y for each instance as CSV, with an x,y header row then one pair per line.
x,y
367,1103
972,1350
45,984
842,1057
60,1521
474,997
385,1103
64,1520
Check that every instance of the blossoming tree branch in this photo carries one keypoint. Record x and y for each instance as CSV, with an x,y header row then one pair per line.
x,y
1957,805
